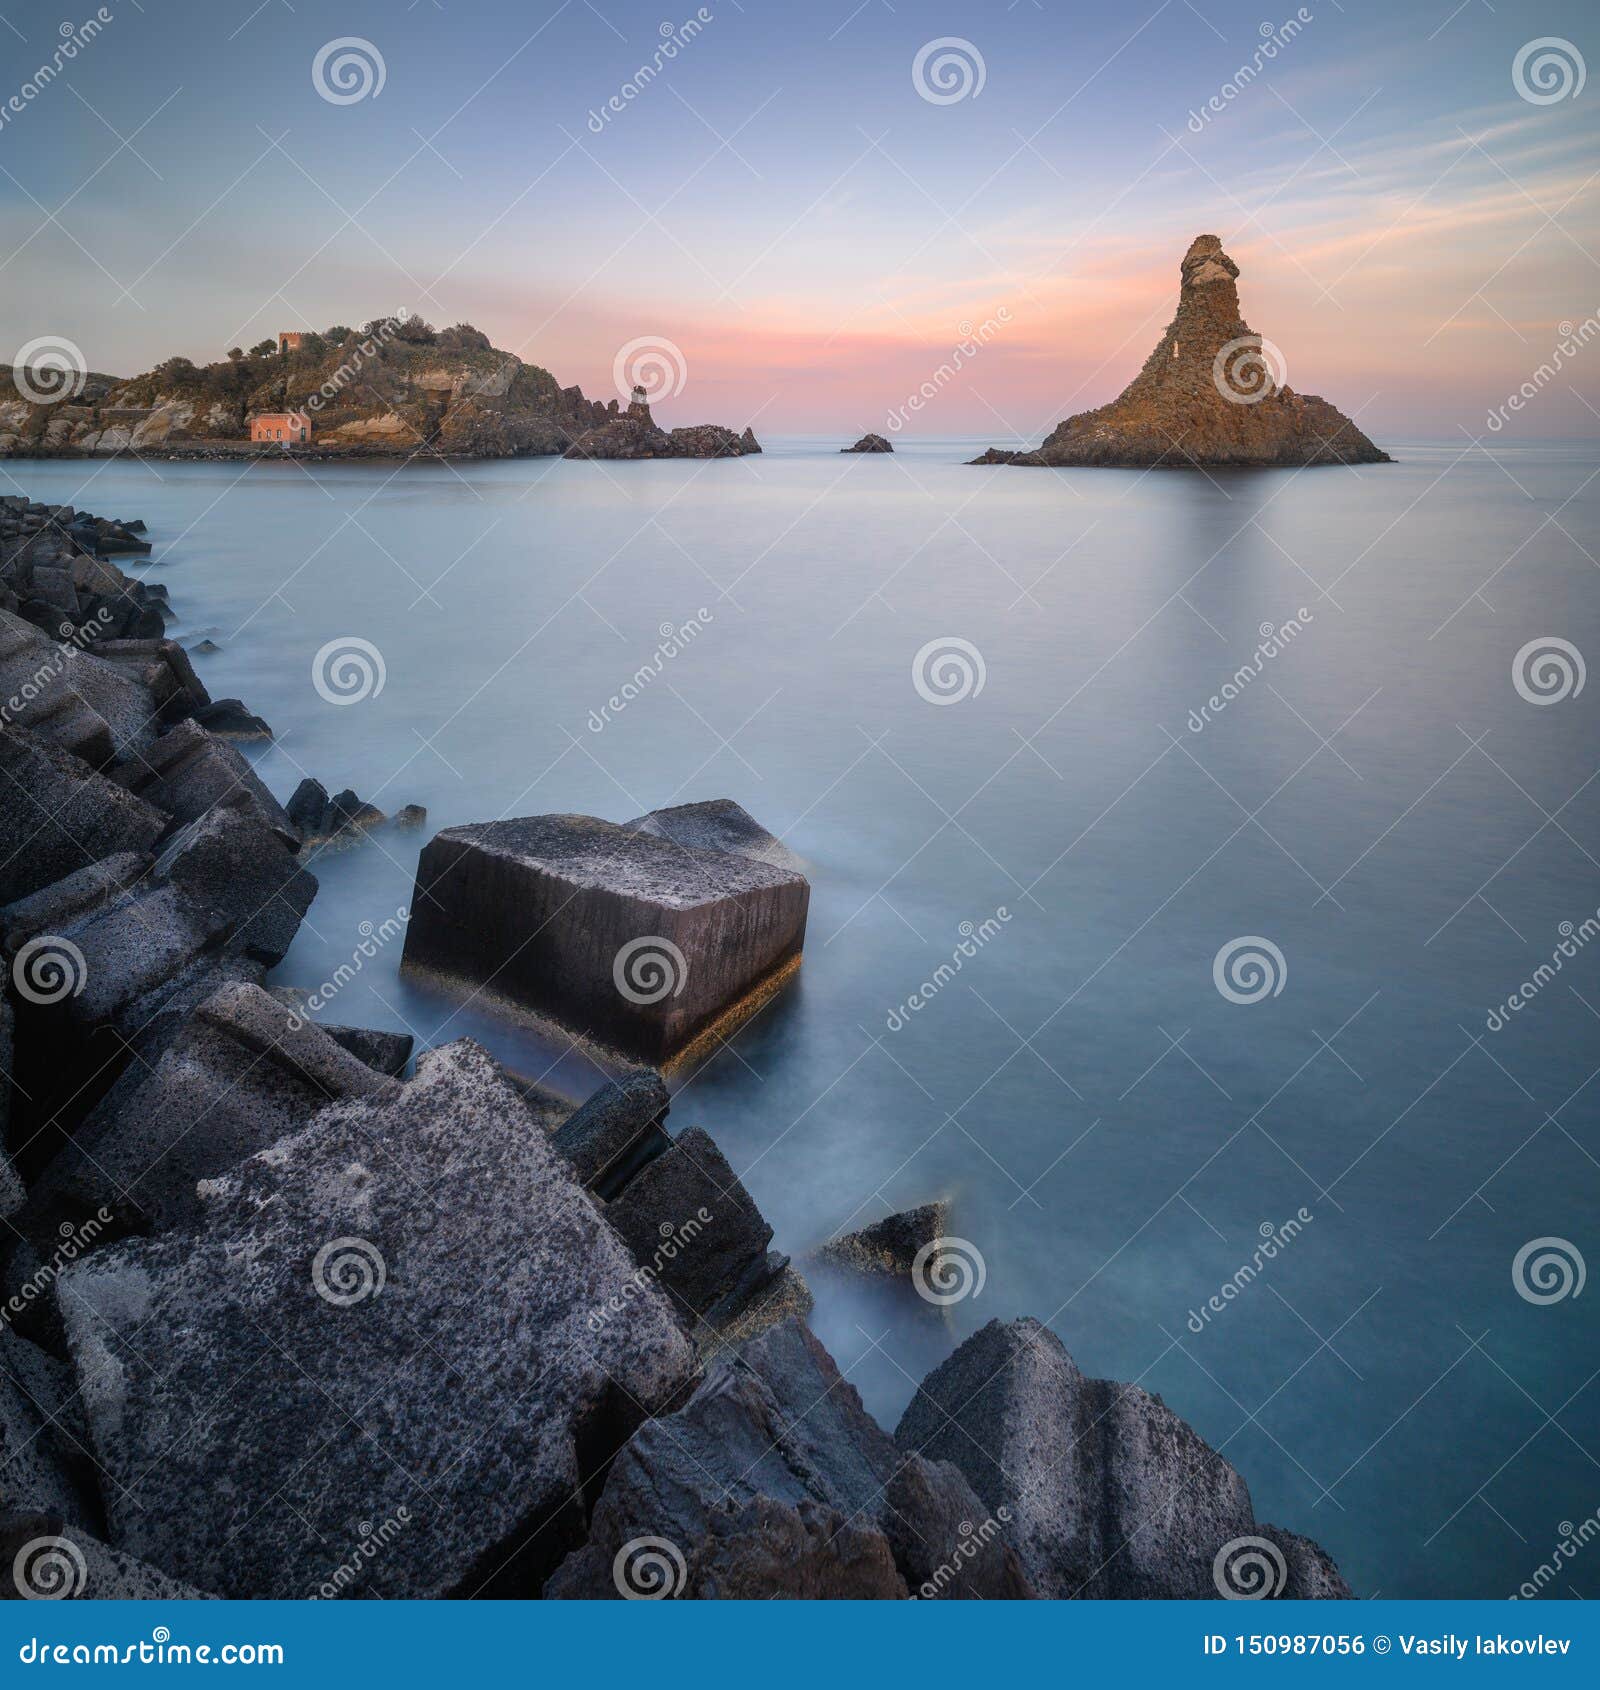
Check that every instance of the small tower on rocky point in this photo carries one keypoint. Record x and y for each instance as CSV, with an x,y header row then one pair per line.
x,y
639,405
289,340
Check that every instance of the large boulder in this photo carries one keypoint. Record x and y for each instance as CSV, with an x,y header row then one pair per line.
x,y
189,770
71,698
626,938
1109,1493
776,1423
53,1559
243,1072
383,1318
694,1228
58,814
718,824
36,1467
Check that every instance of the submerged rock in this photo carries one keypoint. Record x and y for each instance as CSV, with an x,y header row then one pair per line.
x,y
624,937
1211,394
382,1318
892,1244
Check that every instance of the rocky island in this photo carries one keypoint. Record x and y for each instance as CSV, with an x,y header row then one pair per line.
x,y
868,443
397,387
1212,394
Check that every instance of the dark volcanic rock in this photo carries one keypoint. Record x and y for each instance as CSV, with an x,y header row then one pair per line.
x,y
767,1550
383,1318
189,770
609,1137
690,1222
889,1245
1311,1574
51,1558
1110,1493
773,1421
1207,396
228,719
59,815
70,698
869,443
243,1072
342,819
633,434
718,824
626,938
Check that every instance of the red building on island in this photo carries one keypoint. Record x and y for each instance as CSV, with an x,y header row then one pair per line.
x,y
287,428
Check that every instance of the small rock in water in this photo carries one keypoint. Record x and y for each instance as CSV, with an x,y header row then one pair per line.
x,y
892,1244
868,443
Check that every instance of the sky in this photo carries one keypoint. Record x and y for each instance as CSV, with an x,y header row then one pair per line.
x,y
784,205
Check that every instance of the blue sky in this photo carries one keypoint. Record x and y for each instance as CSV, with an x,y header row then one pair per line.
x,y
783,205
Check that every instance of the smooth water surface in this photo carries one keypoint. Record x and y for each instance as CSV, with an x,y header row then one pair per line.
x,y
1116,1135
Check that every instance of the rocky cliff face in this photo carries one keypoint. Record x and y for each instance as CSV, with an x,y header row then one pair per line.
x,y
388,388
1212,393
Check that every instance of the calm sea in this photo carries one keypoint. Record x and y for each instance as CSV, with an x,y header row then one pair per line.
x,y
1376,799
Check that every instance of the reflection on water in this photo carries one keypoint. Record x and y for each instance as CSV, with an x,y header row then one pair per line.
x,y
1114,1133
